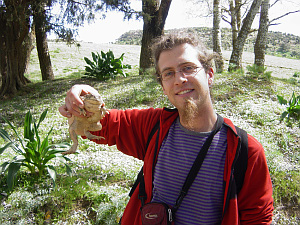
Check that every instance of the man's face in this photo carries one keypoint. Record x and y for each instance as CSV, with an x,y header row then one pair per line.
x,y
182,90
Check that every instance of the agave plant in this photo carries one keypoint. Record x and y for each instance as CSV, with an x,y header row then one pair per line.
x,y
292,107
31,152
105,66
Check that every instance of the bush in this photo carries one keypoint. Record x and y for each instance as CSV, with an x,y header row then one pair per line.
x,y
105,66
261,72
296,74
30,151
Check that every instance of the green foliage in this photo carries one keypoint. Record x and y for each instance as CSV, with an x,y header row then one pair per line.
x,y
296,74
259,72
286,187
232,67
292,107
30,151
283,48
105,66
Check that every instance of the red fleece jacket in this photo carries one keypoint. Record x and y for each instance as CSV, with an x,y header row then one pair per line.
x,y
129,130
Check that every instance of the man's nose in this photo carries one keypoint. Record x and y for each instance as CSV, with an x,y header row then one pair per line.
x,y
180,77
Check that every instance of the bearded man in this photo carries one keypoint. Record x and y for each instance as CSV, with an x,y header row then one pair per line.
x,y
184,70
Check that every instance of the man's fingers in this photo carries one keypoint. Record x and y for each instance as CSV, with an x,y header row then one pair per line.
x,y
74,107
64,111
73,102
73,96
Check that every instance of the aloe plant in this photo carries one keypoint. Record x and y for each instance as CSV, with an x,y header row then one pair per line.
x,y
292,107
31,152
105,66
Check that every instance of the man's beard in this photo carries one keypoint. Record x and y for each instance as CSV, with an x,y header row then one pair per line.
x,y
190,110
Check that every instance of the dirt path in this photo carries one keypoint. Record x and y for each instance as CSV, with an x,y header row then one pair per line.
x,y
280,67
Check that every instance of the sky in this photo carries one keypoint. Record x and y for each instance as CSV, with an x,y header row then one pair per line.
x,y
182,13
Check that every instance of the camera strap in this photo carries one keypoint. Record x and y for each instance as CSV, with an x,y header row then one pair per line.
x,y
197,164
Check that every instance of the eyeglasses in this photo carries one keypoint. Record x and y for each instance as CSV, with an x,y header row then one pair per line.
x,y
187,71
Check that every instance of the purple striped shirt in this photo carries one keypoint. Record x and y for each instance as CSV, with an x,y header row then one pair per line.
x,y
204,201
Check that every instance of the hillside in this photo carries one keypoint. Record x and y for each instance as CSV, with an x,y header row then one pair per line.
x,y
279,44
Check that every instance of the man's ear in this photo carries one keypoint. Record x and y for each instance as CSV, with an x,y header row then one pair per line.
x,y
210,76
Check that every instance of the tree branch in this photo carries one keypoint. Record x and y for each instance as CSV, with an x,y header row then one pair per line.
x,y
274,3
224,18
129,12
79,3
288,13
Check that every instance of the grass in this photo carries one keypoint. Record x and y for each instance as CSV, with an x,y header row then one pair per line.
x,y
97,191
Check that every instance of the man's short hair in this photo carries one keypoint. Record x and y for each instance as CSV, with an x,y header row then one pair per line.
x,y
173,39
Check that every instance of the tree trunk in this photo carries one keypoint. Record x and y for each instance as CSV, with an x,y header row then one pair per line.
x,y
31,38
42,44
236,55
238,7
262,35
233,22
154,16
14,33
217,46
3,56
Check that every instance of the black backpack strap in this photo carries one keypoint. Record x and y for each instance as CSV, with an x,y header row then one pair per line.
x,y
140,175
242,160
137,181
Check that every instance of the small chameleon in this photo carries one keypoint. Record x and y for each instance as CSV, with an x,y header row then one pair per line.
x,y
82,125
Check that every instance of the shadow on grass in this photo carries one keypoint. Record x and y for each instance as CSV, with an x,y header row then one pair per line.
x,y
38,96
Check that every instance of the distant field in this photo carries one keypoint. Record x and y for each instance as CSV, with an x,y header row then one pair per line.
x,y
62,55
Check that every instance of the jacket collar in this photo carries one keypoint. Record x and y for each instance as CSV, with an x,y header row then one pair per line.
x,y
230,125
